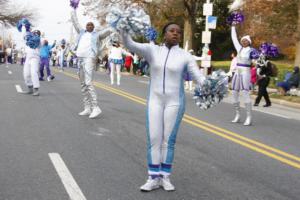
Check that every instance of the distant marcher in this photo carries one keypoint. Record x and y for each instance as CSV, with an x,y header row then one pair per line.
x,y
45,59
264,71
116,60
87,51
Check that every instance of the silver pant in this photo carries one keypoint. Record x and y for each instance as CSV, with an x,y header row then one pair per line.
x,y
86,67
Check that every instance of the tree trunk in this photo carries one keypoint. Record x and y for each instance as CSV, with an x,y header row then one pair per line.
x,y
297,56
188,33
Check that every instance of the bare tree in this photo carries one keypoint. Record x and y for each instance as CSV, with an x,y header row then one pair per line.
x,y
10,14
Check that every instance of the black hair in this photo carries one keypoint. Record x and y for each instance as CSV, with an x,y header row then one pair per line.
x,y
37,32
90,23
164,30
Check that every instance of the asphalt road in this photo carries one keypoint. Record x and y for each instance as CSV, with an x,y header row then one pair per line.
x,y
48,152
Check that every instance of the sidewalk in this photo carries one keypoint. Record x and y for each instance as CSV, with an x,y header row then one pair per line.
x,y
279,101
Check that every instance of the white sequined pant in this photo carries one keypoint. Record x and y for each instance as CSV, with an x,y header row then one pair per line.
x,y
86,68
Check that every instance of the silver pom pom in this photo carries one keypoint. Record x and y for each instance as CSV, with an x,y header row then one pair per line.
x,y
212,91
133,20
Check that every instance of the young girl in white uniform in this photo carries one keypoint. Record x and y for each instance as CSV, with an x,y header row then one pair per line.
x,y
166,101
116,60
241,78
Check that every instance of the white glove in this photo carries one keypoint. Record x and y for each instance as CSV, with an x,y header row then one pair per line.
x,y
229,74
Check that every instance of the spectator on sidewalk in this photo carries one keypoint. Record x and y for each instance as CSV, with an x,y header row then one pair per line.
x,y
290,82
253,78
128,63
136,61
264,71
233,65
54,57
8,55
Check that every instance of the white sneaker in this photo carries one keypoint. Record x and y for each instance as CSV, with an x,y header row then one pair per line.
x,y
166,184
96,111
150,185
86,111
49,79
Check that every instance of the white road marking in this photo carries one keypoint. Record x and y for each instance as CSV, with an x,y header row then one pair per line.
x,y
144,82
103,130
9,72
66,177
97,134
275,114
19,89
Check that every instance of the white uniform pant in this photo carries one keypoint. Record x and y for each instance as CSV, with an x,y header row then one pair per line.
x,y
114,66
162,125
86,67
31,72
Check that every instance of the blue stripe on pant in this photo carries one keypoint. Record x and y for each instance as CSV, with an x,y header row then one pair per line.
x,y
162,124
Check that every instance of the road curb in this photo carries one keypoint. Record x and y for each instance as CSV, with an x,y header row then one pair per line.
x,y
285,103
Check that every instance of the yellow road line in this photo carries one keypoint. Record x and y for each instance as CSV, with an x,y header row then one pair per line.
x,y
245,139
234,137
247,145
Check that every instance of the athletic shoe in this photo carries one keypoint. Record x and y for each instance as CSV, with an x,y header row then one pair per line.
x,y
86,111
35,92
166,184
96,111
150,185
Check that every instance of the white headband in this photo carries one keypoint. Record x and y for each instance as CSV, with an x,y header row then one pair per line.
x,y
247,37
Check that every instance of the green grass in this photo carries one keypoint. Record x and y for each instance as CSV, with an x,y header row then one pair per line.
x,y
293,99
282,65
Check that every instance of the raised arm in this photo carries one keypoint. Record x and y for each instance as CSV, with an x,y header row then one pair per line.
x,y
104,33
142,49
53,45
24,32
75,21
235,40
193,68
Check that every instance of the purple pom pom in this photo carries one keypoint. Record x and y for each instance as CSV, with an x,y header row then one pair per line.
x,y
74,3
32,40
254,54
235,18
269,49
151,34
24,22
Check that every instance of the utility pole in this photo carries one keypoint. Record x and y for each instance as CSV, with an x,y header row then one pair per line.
x,y
210,23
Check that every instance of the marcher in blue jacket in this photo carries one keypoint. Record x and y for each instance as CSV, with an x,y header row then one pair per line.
x,y
45,53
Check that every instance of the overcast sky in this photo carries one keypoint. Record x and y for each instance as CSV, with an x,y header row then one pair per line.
x,y
52,18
